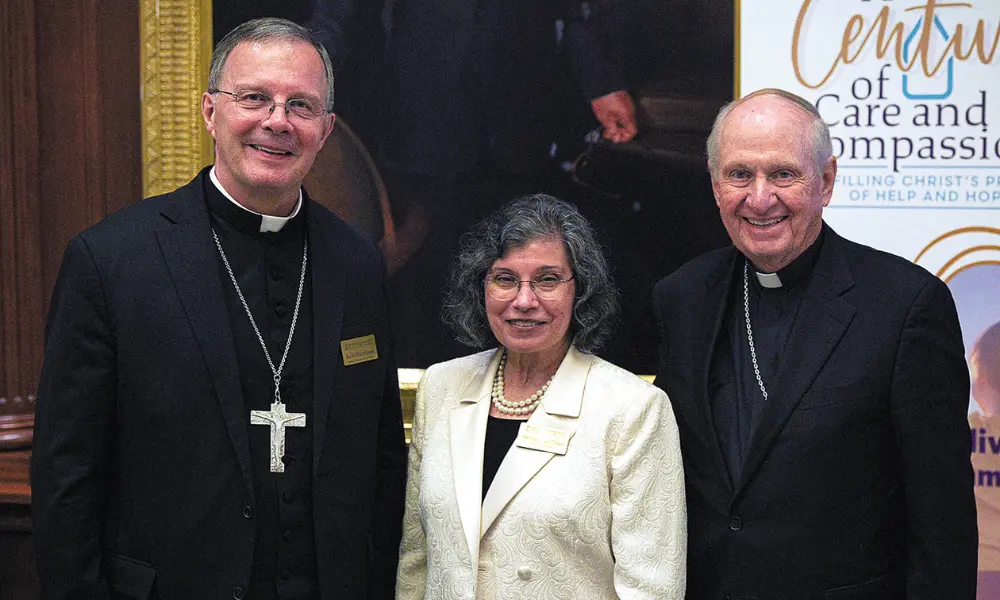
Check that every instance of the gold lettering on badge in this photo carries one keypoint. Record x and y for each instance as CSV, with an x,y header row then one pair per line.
x,y
358,350
893,37
553,441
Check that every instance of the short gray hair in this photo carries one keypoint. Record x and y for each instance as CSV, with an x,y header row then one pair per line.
x,y
520,222
264,30
819,133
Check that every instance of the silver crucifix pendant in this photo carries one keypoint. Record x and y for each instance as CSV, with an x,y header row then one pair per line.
x,y
278,419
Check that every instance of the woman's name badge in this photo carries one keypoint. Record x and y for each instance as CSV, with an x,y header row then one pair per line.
x,y
533,437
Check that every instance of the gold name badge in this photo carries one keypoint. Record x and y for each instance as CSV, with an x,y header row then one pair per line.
x,y
554,441
358,350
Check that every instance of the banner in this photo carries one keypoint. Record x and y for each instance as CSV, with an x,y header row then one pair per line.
x,y
911,92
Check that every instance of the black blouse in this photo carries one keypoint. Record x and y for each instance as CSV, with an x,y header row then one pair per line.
x,y
500,436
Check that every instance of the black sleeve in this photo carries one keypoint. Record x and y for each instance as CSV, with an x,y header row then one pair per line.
x,y
390,489
74,425
930,399
591,49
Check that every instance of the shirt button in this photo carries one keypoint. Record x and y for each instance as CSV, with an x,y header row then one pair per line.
x,y
238,593
524,573
288,497
736,523
287,535
286,574
247,511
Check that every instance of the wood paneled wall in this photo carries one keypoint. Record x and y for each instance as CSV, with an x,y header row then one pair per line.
x,y
20,240
69,155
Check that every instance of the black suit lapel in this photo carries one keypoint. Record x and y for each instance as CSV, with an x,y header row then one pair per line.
x,y
328,281
821,321
190,257
709,319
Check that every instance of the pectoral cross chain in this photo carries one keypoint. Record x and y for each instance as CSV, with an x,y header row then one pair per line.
x,y
278,419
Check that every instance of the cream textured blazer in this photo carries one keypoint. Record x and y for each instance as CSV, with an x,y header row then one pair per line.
x,y
606,520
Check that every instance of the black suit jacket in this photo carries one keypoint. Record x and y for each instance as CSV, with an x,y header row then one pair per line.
x,y
857,482
141,472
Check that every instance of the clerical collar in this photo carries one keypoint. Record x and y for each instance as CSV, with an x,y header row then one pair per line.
x,y
790,275
265,223
768,280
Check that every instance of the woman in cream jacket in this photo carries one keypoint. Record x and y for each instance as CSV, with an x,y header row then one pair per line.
x,y
538,470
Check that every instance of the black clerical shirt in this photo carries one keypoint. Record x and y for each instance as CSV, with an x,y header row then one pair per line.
x,y
268,267
734,393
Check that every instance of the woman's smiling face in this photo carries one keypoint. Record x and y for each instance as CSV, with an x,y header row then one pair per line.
x,y
528,324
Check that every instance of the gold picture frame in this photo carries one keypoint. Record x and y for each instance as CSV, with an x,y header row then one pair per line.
x,y
175,51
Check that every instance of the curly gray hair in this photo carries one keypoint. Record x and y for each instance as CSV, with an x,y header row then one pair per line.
x,y
520,222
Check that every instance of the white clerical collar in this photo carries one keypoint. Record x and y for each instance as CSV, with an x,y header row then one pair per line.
x,y
268,224
768,280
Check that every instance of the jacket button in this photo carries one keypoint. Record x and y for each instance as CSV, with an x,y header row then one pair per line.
x,y
247,511
237,593
736,523
524,573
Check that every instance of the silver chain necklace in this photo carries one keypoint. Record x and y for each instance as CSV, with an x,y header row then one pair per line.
x,y
746,314
276,372
277,418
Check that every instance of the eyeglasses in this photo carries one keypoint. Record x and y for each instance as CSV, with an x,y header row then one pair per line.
x,y
507,287
253,104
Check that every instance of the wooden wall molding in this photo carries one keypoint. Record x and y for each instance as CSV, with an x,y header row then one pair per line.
x,y
175,54
16,426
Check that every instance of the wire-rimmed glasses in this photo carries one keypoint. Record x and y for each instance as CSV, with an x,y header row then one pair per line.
x,y
256,104
504,286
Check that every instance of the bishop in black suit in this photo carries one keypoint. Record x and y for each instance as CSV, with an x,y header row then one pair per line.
x,y
820,389
175,320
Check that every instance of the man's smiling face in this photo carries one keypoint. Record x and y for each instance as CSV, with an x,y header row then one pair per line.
x,y
768,189
267,156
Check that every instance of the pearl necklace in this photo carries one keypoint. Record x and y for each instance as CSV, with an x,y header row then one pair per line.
x,y
505,406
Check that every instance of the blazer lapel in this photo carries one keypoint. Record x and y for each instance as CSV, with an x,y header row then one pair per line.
x,y
328,283
559,409
190,257
467,432
822,319
711,313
